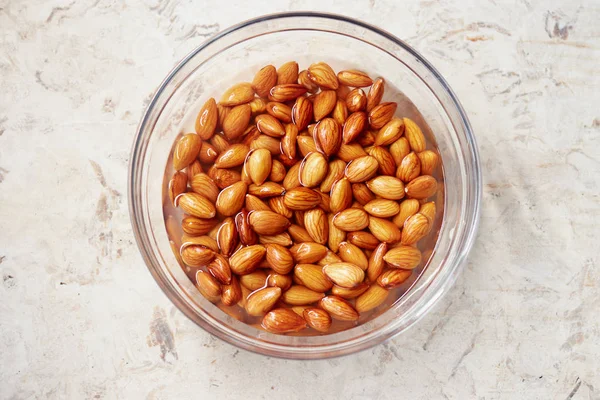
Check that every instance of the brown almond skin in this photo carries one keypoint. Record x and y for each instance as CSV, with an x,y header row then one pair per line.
x,y
280,111
382,114
219,268
324,104
344,274
409,168
354,126
205,241
387,165
177,185
429,162
312,276
341,195
236,121
301,198
428,210
283,320
328,136
259,164
267,189
208,286
308,252
361,169
340,112
231,199
313,169
231,293
222,112
315,223
278,280
388,187
205,186
237,94
393,278
317,319
305,81
224,177
336,235
233,156
198,226
376,262
302,113
372,298
278,171
353,254
267,142
207,119
227,237
279,258
354,78
299,234
384,230
367,139
247,259
195,167
390,132
268,222
414,135
350,152
196,255
415,228
186,150
277,204
306,144
299,295
408,208
288,141
196,205
322,74
405,257
361,193
264,80
253,203
399,149
375,94
382,208
287,73
329,258
349,293
422,187
351,219
208,153
262,300
247,236
282,239
356,100
335,173
286,92
339,308
364,240
269,125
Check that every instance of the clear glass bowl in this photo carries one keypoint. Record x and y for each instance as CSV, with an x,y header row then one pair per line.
x,y
233,56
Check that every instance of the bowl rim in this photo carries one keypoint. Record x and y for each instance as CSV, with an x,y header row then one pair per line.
x,y
473,149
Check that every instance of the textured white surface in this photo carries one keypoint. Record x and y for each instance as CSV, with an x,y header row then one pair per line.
x,y
80,316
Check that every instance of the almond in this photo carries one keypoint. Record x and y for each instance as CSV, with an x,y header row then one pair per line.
x,y
267,189
231,199
429,161
342,92
196,205
288,141
322,74
267,142
245,293
198,226
206,121
287,73
339,308
258,106
277,204
219,268
405,257
334,173
341,195
222,112
301,198
283,320
375,94
388,187
302,113
268,222
282,239
366,139
224,177
298,295
354,78
422,187
328,136
336,235
306,144
364,240
254,280
349,152
414,135
356,100
393,278
305,81
196,255
390,132
361,193
382,208
195,167
340,112
376,262
259,165
227,237
232,293
253,203
329,258
382,114
372,298
205,241
269,125
344,274
308,253
263,300
312,276
315,223
205,186
186,150
399,149
280,111
324,103
354,126
387,165
351,219
409,168
279,258
317,319
349,293
362,169
264,80
247,236
208,286
313,169
353,254
247,259
428,210
286,92
384,230
278,171
415,228
208,153
278,280
233,156
237,94
408,208
177,185
236,121
299,217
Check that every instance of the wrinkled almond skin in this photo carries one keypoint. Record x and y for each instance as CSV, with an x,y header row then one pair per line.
x,y
335,173
366,139
362,169
198,226
279,258
196,255
376,262
186,150
231,293
208,153
408,207
269,125
387,165
324,104
247,259
393,278
306,144
341,195
344,274
312,276
227,237
233,156
287,73
351,219
354,78
278,280
231,199
254,280
305,81
340,112
352,151
264,80
240,93
299,234
317,319
280,111
207,119
429,161
382,114
288,141
253,203
262,300
315,223
196,205
219,268
195,167
336,235
259,164
268,222
308,252
282,239
405,257
354,126
361,193
177,185
283,320
277,204
409,168
384,230
299,295
428,210
414,135
356,100
286,92
388,187
349,293
364,240
322,74
205,186
372,298
327,136
302,113
339,308
278,171
301,198
224,177
266,142
205,241
236,121
375,94
267,189
422,187
352,254
390,132
313,169
208,286
247,236
399,149
382,208
415,228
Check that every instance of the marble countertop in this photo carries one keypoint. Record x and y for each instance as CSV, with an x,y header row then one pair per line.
x,y
81,317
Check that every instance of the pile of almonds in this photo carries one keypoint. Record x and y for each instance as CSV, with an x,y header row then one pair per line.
x,y
313,199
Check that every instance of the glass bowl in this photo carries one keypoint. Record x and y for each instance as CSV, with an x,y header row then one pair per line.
x,y
234,55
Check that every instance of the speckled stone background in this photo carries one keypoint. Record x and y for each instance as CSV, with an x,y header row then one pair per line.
x,y
81,317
